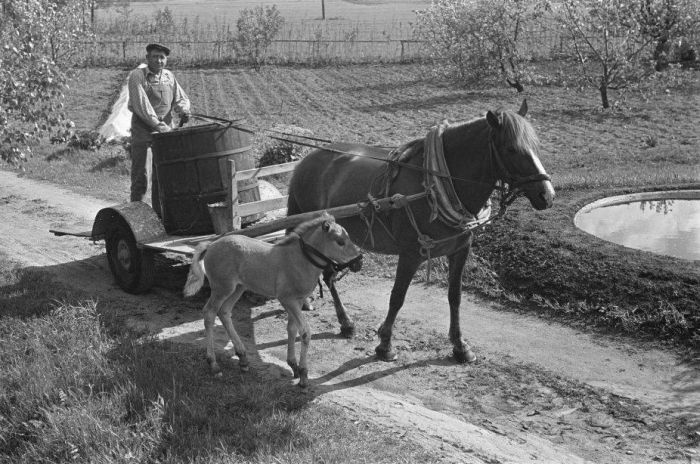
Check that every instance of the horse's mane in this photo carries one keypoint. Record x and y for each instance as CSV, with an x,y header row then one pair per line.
x,y
519,132
516,130
302,228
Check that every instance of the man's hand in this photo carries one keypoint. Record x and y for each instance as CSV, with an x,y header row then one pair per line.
x,y
163,127
184,119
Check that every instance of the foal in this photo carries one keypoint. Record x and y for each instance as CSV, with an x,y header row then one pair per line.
x,y
288,270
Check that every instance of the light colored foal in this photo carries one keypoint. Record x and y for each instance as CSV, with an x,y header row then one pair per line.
x,y
288,270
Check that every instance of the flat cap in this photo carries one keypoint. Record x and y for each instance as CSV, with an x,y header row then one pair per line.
x,y
159,47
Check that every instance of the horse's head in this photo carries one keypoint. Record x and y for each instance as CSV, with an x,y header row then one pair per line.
x,y
514,153
332,241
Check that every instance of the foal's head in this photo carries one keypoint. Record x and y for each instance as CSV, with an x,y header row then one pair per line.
x,y
329,238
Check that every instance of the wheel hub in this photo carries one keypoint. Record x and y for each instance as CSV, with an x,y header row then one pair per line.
x,y
123,254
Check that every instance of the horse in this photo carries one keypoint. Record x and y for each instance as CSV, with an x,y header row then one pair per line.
x,y
287,270
468,161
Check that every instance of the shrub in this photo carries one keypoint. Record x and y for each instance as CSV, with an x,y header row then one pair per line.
x,y
257,27
86,140
281,151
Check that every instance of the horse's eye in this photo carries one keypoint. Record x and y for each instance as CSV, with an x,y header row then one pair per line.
x,y
340,242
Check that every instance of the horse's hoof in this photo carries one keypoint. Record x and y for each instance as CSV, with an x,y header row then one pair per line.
x,y
385,354
347,331
464,356
295,370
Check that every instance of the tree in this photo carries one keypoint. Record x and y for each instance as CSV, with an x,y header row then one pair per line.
x,y
257,27
38,38
607,42
665,21
475,39
95,4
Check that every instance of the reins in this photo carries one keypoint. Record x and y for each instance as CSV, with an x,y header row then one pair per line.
x,y
230,123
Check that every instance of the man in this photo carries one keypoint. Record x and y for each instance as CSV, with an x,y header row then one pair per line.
x,y
153,96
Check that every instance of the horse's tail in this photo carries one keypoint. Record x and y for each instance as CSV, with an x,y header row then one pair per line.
x,y
195,278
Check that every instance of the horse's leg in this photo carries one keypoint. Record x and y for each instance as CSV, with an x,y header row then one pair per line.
x,y
460,349
347,327
406,269
293,308
291,341
225,316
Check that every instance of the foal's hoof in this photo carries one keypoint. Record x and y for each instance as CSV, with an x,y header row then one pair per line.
x,y
303,377
347,331
243,362
385,354
464,356
214,368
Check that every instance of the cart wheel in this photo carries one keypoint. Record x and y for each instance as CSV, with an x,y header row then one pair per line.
x,y
132,267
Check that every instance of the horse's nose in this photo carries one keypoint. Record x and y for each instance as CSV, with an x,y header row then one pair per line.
x,y
548,194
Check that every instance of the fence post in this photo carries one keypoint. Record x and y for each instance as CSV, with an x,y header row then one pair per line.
x,y
124,51
402,44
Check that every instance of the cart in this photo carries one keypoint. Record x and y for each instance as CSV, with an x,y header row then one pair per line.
x,y
134,234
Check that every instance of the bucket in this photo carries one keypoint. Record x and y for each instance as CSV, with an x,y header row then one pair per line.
x,y
191,166
221,217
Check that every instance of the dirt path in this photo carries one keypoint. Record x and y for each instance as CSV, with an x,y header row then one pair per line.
x,y
540,392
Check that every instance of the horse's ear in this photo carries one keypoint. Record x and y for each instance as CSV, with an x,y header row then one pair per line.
x,y
523,108
326,226
493,120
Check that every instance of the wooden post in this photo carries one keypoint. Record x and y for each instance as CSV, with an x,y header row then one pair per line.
x,y
233,220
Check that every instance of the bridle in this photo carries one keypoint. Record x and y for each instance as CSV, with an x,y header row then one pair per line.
x,y
510,187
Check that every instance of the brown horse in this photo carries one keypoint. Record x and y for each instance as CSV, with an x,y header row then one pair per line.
x,y
478,156
288,270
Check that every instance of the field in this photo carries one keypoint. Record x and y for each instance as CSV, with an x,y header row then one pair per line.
x,y
373,13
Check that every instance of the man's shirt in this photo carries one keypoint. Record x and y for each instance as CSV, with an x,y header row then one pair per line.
x,y
140,79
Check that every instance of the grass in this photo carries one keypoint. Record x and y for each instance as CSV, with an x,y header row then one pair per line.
x,y
75,387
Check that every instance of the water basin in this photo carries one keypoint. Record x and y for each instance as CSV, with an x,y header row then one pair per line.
x,y
666,223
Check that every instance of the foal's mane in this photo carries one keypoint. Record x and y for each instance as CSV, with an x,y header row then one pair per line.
x,y
302,228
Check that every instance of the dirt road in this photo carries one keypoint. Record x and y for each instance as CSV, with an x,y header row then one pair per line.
x,y
540,392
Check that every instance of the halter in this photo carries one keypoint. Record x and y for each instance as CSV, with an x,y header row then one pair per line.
x,y
511,185
327,264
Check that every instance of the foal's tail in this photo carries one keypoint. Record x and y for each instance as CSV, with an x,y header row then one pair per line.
x,y
195,278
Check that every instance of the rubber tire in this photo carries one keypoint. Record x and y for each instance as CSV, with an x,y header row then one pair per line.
x,y
132,267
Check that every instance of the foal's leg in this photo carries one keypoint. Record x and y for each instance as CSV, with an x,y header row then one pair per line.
x,y
457,260
293,308
225,316
291,341
211,308
405,270
347,327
